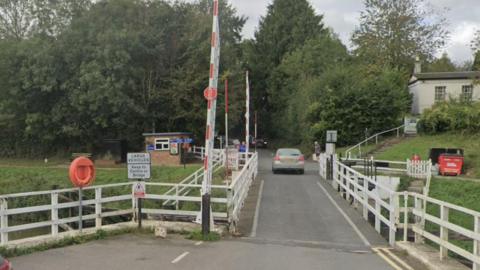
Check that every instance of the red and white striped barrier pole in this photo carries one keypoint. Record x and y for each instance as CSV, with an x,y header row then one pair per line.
x,y
211,95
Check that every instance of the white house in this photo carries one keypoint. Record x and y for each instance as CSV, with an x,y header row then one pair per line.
x,y
430,87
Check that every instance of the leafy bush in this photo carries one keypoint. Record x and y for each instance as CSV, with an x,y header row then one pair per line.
x,y
451,116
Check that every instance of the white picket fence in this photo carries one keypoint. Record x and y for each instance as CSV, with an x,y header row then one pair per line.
x,y
421,169
49,211
404,211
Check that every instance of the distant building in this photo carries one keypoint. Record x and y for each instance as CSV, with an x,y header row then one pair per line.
x,y
427,88
164,148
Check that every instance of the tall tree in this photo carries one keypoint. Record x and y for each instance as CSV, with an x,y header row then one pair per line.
x,y
393,33
475,44
288,25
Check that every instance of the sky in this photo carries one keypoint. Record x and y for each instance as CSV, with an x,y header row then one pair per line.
x,y
342,16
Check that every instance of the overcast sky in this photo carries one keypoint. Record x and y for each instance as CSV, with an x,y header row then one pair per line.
x,y
342,16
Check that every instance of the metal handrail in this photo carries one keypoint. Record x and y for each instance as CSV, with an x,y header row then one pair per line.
x,y
349,150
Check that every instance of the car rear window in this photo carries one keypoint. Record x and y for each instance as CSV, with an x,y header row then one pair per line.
x,y
289,152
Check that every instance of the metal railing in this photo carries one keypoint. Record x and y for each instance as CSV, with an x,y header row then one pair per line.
x,y
348,152
433,220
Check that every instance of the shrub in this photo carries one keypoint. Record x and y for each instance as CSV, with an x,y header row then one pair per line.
x,y
451,116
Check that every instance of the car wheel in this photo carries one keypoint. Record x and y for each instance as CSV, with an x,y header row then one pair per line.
x,y
274,171
301,172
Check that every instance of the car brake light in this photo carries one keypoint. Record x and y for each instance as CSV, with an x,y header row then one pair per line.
x,y
301,158
276,158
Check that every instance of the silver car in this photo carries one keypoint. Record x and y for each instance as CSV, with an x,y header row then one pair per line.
x,y
288,159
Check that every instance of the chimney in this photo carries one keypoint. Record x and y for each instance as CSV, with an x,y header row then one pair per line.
x,y
418,66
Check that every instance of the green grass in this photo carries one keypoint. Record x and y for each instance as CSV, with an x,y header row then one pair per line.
x,y
422,144
14,179
198,236
69,241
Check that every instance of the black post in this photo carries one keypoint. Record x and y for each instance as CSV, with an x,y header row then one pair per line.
x,y
205,214
139,212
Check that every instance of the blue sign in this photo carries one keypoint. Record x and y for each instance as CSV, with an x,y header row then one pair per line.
x,y
150,147
186,140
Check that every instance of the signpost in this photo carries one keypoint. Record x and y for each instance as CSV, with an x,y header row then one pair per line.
x,y
139,165
82,174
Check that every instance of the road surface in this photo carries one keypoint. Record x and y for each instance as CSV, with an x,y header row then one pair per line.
x,y
300,224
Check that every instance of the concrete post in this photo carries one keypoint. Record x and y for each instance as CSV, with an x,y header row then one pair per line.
x,y
443,231
98,208
3,221
54,213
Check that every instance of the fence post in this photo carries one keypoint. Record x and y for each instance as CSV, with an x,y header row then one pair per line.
x,y
176,197
378,212
476,244
405,216
393,215
3,220
54,213
376,139
418,219
230,207
98,208
444,231
365,198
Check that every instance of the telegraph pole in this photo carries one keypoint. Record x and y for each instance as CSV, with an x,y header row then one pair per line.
x,y
211,95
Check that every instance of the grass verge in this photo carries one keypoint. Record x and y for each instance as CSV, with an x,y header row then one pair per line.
x,y
198,236
69,241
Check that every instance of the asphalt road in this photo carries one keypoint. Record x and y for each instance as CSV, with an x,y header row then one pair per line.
x,y
298,227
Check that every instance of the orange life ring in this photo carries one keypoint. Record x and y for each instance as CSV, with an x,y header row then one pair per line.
x,y
82,172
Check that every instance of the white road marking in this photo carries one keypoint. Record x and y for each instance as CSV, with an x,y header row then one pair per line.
x,y
257,210
385,258
355,228
198,243
396,258
179,258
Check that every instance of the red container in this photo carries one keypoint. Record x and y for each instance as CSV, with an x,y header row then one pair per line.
x,y
450,164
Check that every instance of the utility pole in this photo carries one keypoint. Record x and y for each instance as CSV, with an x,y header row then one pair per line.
x,y
211,95
247,116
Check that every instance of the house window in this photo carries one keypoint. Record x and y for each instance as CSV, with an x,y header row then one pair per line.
x,y
467,92
162,144
440,93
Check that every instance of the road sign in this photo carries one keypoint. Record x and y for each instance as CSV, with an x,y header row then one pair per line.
x,y
185,140
138,165
150,147
210,93
139,190
139,171
331,136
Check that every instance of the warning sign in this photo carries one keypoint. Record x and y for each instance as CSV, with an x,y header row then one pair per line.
x,y
138,165
139,190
